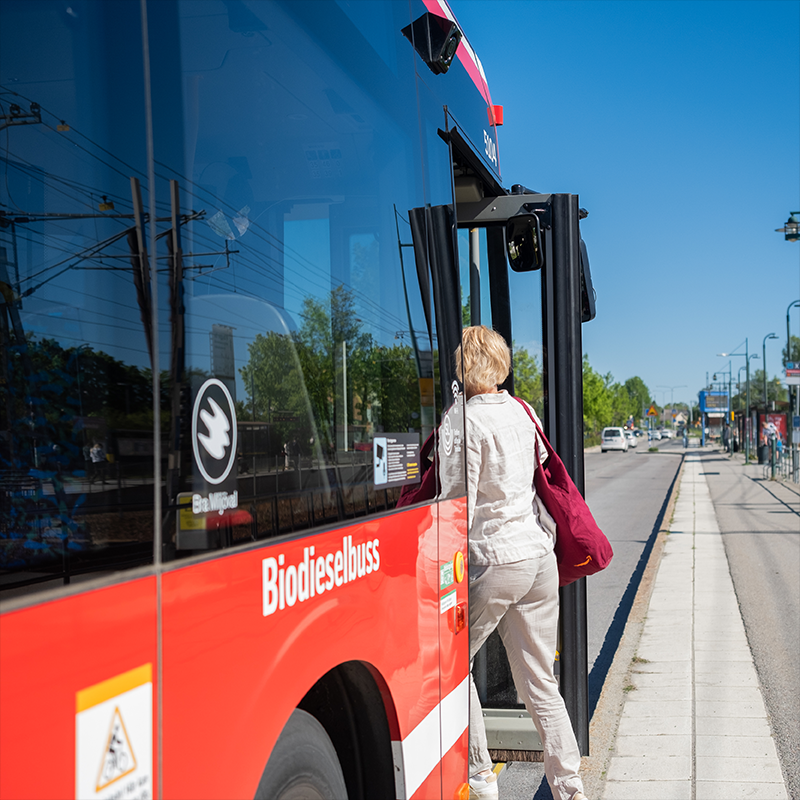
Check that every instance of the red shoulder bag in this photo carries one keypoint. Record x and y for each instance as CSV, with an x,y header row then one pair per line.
x,y
581,547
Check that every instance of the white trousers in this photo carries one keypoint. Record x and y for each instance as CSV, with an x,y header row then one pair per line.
x,y
521,601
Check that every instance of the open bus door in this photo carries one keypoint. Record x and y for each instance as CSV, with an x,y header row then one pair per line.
x,y
548,286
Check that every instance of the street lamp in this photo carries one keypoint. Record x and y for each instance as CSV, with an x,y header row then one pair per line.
x,y
764,351
739,382
788,337
747,357
791,231
727,372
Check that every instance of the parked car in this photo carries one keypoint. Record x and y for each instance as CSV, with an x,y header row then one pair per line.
x,y
631,437
666,433
613,439
653,435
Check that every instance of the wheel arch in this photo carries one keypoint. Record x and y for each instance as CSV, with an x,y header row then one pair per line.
x,y
353,703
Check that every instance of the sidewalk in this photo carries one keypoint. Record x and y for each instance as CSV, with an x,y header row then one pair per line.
x,y
693,725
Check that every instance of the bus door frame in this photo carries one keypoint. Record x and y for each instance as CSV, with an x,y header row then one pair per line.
x,y
563,382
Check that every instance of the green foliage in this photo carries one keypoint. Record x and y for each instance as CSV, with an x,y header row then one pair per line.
x,y
639,395
606,402
303,382
794,350
51,388
466,312
775,392
528,378
597,400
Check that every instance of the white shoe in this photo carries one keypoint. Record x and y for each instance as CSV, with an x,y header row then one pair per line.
x,y
483,786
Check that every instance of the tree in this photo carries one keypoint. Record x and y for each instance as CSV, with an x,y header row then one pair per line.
x,y
775,392
466,311
298,379
597,407
528,378
274,385
639,394
794,350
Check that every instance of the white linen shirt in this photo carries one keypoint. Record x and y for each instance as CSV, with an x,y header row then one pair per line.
x,y
507,521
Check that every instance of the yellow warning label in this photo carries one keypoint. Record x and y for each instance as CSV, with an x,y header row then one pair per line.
x,y
187,519
118,759
114,737
100,692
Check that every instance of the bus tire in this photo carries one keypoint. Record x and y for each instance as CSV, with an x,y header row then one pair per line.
x,y
303,764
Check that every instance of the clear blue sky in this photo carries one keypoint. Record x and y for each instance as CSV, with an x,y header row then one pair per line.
x,y
678,124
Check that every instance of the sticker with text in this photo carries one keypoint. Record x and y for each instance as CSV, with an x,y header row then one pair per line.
x,y
114,738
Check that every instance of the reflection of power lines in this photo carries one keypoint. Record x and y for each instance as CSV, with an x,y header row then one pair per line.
x,y
96,256
260,263
16,116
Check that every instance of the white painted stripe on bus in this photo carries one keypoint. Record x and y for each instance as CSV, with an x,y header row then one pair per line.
x,y
419,753
455,715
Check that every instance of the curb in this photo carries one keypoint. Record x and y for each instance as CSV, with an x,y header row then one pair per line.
x,y
605,720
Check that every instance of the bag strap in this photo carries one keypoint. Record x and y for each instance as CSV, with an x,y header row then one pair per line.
x,y
538,430
427,446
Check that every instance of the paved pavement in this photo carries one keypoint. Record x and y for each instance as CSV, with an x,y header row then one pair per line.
x,y
693,725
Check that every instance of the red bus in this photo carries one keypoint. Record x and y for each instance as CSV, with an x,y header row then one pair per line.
x,y
238,243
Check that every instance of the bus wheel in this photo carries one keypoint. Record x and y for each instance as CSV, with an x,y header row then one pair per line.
x,y
303,765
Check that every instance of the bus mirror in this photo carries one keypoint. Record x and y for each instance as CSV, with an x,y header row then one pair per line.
x,y
588,308
524,243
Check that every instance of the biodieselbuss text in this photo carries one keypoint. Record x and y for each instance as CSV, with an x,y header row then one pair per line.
x,y
286,584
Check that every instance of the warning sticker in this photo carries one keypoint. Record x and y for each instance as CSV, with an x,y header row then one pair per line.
x,y
446,576
118,760
114,738
447,602
395,459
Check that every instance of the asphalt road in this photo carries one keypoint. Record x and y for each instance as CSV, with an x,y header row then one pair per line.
x,y
627,493
760,524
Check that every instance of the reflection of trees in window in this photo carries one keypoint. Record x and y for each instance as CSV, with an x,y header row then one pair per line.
x,y
274,388
58,403
287,371
65,384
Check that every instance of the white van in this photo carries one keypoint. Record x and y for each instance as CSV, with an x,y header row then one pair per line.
x,y
613,439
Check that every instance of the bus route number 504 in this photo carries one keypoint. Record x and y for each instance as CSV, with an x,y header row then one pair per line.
x,y
490,148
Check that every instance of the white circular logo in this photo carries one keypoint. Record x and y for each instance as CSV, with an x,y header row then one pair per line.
x,y
214,431
447,435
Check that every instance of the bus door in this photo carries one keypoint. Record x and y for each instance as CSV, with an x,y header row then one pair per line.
x,y
525,271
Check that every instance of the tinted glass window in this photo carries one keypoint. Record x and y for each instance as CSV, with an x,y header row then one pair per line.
x,y
297,140
525,289
76,420
292,350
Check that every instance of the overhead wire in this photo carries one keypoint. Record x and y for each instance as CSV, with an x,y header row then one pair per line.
x,y
259,231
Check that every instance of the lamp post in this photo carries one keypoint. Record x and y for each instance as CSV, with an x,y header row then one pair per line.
x,y
739,382
785,362
788,337
748,426
747,358
727,412
764,363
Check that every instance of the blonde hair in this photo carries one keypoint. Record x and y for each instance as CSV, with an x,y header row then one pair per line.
x,y
483,359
